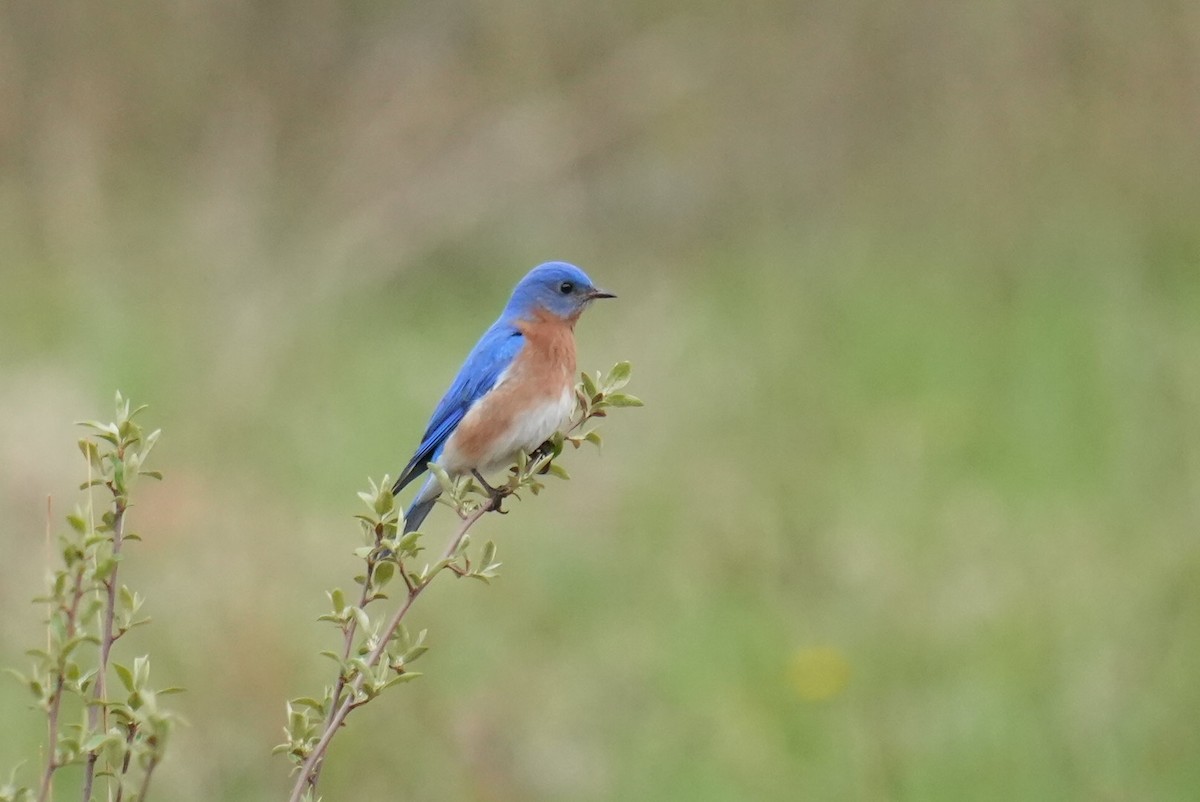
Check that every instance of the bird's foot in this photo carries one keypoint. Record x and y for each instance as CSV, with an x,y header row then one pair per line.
x,y
496,494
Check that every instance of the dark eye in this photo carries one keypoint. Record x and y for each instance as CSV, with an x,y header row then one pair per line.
x,y
566,288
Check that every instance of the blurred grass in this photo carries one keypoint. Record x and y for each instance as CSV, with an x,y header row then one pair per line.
x,y
911,292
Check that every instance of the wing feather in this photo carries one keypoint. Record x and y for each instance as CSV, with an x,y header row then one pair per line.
x,y
483,368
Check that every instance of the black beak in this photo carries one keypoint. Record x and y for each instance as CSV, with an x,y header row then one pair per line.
x,y
594,294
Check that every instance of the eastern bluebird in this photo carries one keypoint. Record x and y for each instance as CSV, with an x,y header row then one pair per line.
x,y
516,388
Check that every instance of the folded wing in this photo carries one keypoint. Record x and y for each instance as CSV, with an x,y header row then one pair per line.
x,y
484,367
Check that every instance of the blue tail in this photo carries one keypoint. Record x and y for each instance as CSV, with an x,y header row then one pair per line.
x,y
416,514
426,497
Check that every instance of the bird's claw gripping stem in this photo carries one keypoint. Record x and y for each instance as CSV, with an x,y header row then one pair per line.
x,y
494,493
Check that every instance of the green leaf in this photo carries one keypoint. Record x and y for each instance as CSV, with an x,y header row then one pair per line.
x,y
297,719
91,453
384,502
71,645
554,469
384,573
141,670
138,623
589,386
308,701
410,544
623,400
97,741
402,638
618,377
150,441
106,428
407,676
125,675
105,568
77,521
443,478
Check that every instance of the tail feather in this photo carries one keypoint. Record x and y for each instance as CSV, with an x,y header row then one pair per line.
x,y
422,503
416,514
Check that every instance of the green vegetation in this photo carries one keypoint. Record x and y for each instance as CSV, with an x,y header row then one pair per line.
x,y
377,653
914,298
115,737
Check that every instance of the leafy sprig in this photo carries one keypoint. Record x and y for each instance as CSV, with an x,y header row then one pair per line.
x,y
377,650
121,736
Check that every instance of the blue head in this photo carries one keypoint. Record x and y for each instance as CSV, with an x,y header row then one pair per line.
x,y
561,289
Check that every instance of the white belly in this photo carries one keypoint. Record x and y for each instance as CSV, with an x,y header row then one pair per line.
x,y
527,432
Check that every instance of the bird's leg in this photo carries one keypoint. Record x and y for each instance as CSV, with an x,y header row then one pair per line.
x,y
491,491
496,494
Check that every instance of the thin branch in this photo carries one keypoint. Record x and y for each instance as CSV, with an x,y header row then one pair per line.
x,y
52,764
408,583
52,759
125,763
98,714
141,794
350,631
308,775
56,699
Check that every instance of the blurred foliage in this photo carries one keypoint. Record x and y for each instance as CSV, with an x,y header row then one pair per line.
x,y
913,291
116,739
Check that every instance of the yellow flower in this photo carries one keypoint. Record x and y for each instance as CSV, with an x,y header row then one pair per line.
x,y
819,672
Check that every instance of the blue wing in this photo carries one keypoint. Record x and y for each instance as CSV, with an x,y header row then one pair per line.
x,y
489,358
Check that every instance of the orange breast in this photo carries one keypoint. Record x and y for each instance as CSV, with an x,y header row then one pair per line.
x,y
541,372
549,353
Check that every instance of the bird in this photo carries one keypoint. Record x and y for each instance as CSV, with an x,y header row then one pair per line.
x,y
515,389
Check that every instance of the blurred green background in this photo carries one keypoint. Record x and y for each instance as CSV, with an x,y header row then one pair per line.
x,y
912,292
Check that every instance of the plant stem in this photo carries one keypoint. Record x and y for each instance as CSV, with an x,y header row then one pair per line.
x,y
97,714
141,794
56,699
52,764
52,758
351,630
308,775
129,737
